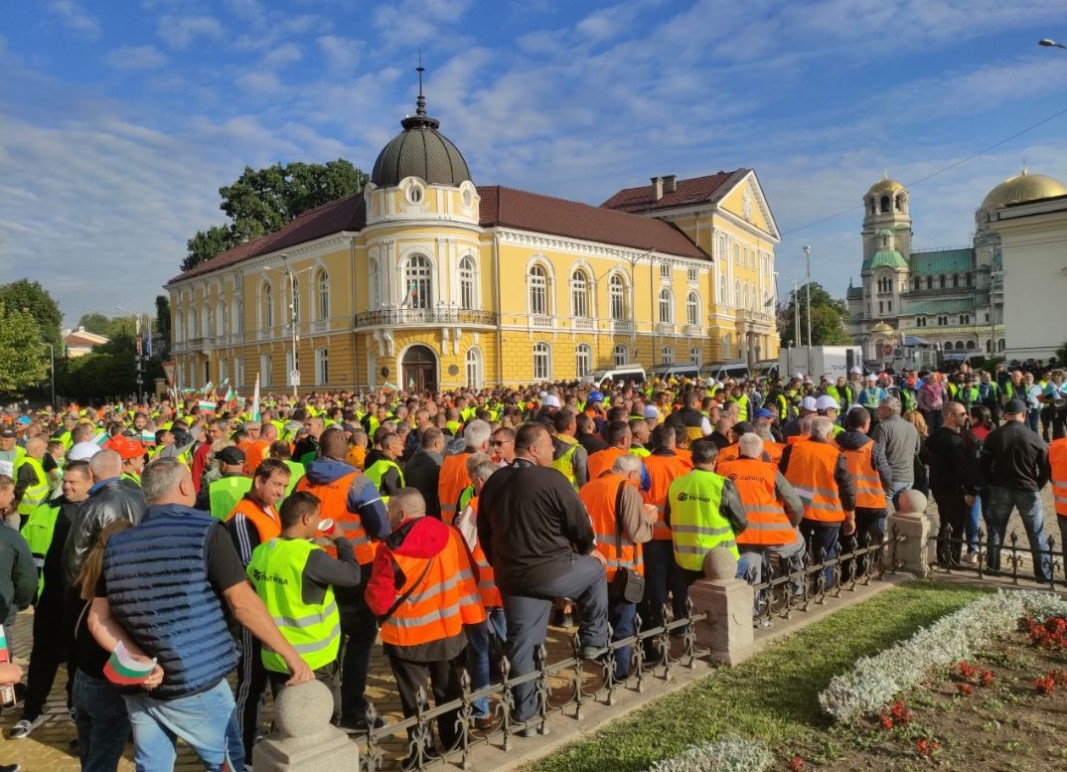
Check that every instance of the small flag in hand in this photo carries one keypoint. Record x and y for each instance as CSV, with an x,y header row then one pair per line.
x,y
122,669
5,653
207,407
148,438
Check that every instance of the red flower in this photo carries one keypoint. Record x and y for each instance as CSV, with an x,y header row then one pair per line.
x,y
923,747
887,723
966,670
1046,684
964,689
796,764
986,678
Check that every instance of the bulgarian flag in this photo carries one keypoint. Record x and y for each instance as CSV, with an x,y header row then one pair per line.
x,y
148,438
209,389
122,669
5,653
207,407
100,438
255,402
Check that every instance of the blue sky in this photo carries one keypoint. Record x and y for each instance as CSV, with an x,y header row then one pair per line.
x,y
120,120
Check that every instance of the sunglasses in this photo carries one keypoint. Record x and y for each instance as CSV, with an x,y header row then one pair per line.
x,y
500,442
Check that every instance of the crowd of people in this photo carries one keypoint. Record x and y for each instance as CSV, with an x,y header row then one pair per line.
x,y
282,541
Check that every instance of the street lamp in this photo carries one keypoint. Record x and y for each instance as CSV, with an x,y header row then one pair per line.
x,y
294,338
52,372
1049,43
807,290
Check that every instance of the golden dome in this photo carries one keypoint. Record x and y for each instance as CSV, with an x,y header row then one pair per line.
x,y
881,327
1024,187
885,185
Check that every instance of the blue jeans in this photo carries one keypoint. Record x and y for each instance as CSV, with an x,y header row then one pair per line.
x,y
621,615
820,535
207,722
1031,420
1001,503
103,725
971,526
662,576
479,663
896,489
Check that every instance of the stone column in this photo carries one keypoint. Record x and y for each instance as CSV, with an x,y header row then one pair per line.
x,y
728,602
303,739
913,549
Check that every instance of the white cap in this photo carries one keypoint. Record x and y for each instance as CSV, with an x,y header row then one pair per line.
x,y
872,377
856,371
808,403
83,451
651,412
798,374
826,402
551,400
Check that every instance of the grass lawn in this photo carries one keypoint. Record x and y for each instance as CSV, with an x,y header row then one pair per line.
x,y
773,696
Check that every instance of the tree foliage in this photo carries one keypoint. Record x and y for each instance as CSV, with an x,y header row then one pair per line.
x,y
31,296
163,323
23,356
261,201
103,374
96,323
828,318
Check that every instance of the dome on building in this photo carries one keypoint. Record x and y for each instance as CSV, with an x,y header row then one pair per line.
x,y
1023,187
885,185
420,150
882,328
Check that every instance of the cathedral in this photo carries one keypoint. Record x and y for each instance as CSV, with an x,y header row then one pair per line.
x,y
949,300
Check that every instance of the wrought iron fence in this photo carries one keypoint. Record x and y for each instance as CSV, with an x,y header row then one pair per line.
x,y
998,557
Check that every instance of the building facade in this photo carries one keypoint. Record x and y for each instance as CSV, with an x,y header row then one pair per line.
x,y
425,280
950,299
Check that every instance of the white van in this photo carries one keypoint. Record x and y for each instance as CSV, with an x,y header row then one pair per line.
x,y
720,372
664,372
619,374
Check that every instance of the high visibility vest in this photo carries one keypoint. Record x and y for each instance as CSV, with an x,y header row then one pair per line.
x,y
487,588
296,473
267,522
314,629
697,525
334,498
565,463
768,525
774,450
451,482
662,471
869,491
255,453
603,461
36,494
38,532
728,454
225,492
811,471
130,477
742,407
377,470
444,600
1057,459
600,497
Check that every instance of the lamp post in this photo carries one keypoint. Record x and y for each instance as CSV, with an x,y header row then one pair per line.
x,y
52,372
1049,43
807,291
293,335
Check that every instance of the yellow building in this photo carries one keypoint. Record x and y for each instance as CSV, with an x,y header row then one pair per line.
x,y
428,281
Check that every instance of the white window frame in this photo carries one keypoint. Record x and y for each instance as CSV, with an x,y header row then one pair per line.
x,y
418,272
580,295
537,295
322,366
542,361
665,306
583,360
468,283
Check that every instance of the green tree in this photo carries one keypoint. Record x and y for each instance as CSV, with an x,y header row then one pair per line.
x,y
828,318
23,355
261,201
31,296
163,325
95,323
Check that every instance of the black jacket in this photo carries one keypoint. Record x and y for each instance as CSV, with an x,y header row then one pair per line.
x,y
423,473
953,469
1014,457
116,499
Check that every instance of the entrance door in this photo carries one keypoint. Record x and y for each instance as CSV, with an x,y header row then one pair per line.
x,y
419,369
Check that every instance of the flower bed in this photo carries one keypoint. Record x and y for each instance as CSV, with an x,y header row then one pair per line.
x,y
875,681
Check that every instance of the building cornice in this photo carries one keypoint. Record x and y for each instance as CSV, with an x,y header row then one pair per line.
x,y
594,249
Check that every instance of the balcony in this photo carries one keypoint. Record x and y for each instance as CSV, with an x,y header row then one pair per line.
x,y
664,328
584,323
540,320
320,325
410,317
622,325
694,331
754,317
264,334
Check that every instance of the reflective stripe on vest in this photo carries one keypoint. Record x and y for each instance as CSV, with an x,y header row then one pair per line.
x,y
1057,459
451,482
225,493
768,524
811,472
487,588
697,525
334,498
869,491
599,497
314,630
36,494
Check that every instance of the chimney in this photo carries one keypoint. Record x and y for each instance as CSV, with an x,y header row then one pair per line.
x,y
657,188
670,183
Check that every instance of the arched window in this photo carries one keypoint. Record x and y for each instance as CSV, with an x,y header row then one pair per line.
x,y
323,282
942,281
692,309
696,356
884,204
667,355
267,307
374,286
537,281
1000,345
583,360
467,285
666,306
724,291
617,298
222,316
179,330
918,283
971,345
474,368
238,320
929,282
579,295
618,355
418,282
264,369
205,320
970,279
955,280
737,295
322,366
542,361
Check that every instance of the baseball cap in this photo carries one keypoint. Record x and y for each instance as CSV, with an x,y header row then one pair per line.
x,y
764,413
808,403
826,402
551,400
83,451
1015,405
231,455
7,433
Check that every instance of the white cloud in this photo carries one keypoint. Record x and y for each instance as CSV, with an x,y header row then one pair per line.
x,y
135,58
179,31
411,22
282,56
76,18
259,82
341,54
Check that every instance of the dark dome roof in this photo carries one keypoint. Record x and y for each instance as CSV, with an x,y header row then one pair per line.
x,y
420,150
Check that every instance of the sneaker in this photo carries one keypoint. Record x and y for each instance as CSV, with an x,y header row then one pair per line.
x,y
9,768
970,558
24,728
593,652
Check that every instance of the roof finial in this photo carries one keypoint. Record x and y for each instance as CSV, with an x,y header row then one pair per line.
x,y
420,103
1024,168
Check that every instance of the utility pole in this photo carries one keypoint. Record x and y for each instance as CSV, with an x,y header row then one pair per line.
x,y
807,287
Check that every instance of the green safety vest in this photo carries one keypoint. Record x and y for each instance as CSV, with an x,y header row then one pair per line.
x,y
465,497
377,470
564,464
36,494
640,452
697,526
296,471
224,494
38,533
131,478
314,630
742,407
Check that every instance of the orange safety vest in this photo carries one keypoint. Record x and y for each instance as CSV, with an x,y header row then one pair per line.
x,y
453,479
869,491
1057,459
811,471
730,453
600,496
768,525
266,521
603,461
486,579
686,456
797,438
334,498
254,455
774,450
446,598
663,470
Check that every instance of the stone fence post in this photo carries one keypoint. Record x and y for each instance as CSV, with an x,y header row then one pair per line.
x,y
728,602
303,739
913,527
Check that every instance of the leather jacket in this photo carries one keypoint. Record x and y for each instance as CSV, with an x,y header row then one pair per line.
x,y
116,499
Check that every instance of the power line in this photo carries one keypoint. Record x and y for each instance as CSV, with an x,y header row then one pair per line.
x,y
933,174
